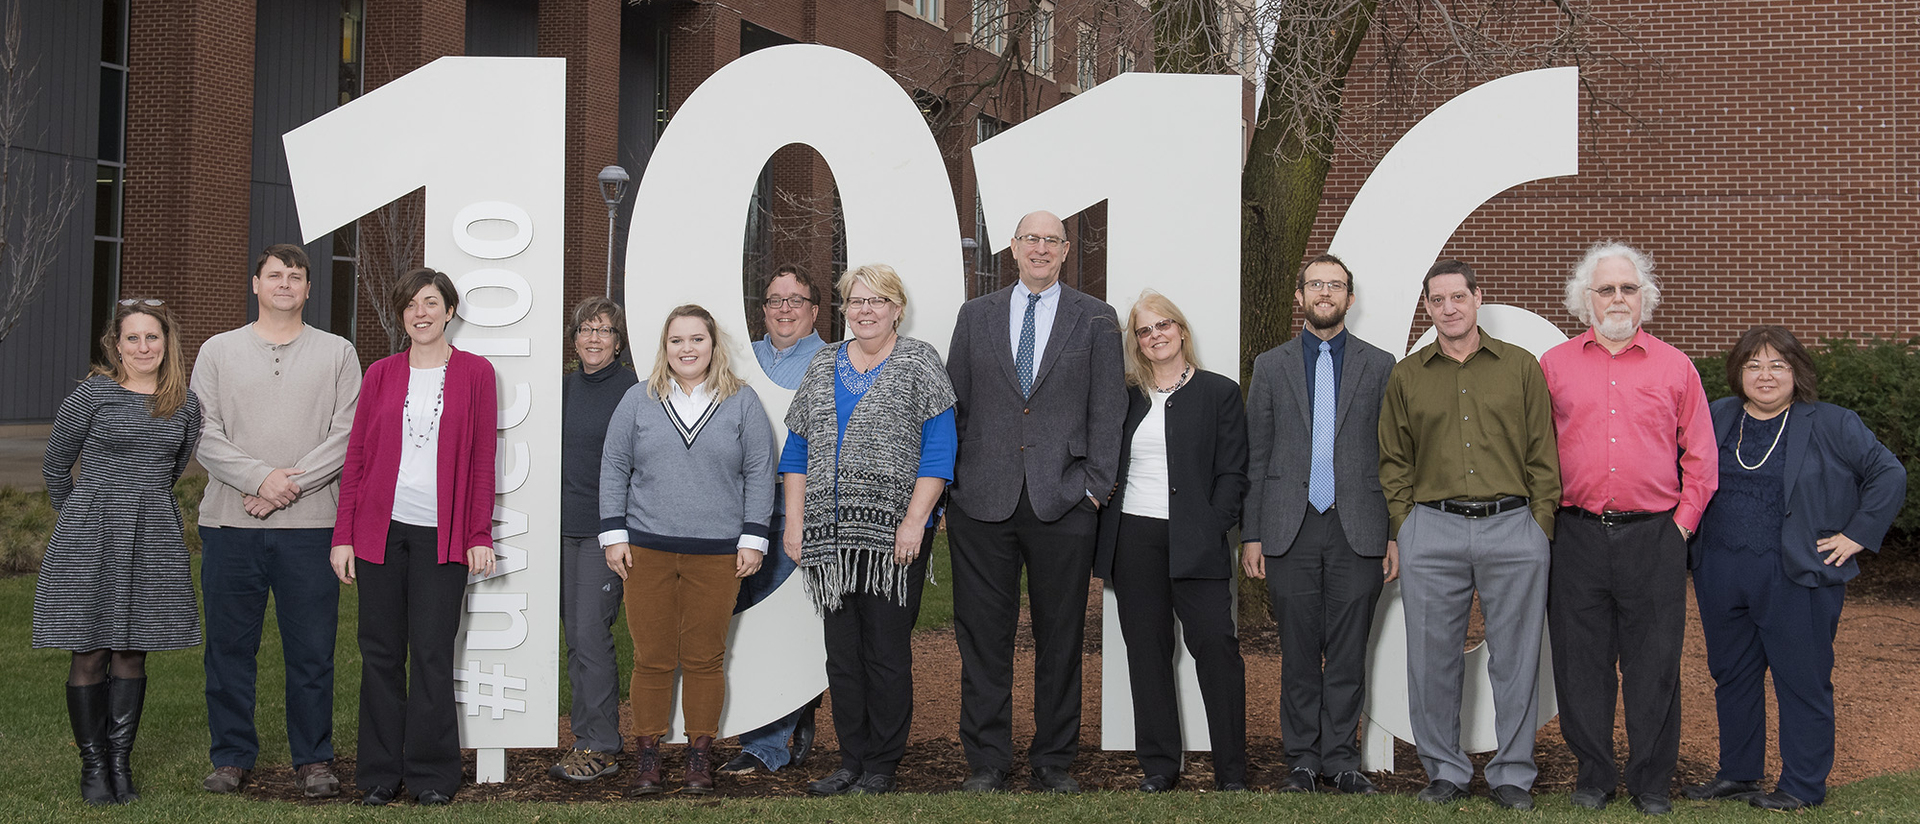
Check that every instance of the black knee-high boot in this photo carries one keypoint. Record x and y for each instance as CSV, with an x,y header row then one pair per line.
x,y
87,711
125,697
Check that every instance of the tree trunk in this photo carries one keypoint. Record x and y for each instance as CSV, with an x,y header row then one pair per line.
x,y
1286,171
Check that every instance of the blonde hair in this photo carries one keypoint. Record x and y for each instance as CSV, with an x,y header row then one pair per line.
x,y
1139,369
882,280
170,384
720,379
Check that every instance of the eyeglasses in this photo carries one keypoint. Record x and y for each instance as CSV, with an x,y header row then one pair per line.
x,y
139,302
1626,291
597,332
876,303
1048,241
1165,325
1334,286
776,303
1770,368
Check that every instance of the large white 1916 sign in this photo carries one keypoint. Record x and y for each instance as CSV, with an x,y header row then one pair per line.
x,y
485,137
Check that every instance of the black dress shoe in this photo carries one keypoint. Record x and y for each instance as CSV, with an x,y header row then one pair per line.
x,y
1776,800
838,783
1442,792
1053,780
1231,786
433,798
1158,783
1512,797
1721,788
1653,803
1592,798
1300,780
745,763
985,780
379,796
1354,782
873,784
801,744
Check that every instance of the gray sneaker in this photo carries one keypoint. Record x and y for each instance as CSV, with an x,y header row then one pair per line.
x,y
224,779
316,780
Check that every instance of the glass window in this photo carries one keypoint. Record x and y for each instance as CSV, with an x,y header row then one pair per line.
x,y
990,25
1042,37
1085,51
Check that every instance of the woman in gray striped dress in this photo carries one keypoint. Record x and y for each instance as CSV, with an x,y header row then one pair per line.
x,y
115,582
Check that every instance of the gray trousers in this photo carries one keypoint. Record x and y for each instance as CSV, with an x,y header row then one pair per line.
x,y
590,596
1444,558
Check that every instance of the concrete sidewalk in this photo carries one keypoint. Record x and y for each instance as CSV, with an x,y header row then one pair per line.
x,y
22,448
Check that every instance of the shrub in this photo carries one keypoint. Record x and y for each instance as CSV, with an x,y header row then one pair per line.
x,y
1880,380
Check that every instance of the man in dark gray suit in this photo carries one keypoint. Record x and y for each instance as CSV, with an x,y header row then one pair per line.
x,y
1320,524
1041,397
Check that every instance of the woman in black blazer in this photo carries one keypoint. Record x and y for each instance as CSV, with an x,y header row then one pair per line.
x,y
1163,542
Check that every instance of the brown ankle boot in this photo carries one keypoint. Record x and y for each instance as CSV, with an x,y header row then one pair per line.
x,y
700,766
646,775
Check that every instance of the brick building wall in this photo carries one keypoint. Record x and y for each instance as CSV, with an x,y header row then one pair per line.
x,y
1772,177
189,152
587,34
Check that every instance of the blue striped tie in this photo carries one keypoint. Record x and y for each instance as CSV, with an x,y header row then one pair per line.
x,y
1320,482
1023,359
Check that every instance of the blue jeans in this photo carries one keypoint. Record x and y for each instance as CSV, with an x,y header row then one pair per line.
x,y
769,743
238,568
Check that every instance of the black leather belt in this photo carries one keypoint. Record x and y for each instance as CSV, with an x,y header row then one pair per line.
x,y
1477,509
1611,518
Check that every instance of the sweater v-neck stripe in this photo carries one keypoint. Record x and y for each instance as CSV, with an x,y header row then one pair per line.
x,y
689,432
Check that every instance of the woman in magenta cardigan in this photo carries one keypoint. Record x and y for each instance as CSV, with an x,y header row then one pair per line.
x,y
416,509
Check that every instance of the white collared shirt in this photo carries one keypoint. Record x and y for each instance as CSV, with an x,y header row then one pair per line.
x,y
1043,313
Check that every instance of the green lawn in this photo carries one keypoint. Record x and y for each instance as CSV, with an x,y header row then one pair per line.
x,y
41,766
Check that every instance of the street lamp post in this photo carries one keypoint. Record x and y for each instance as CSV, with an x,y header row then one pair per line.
x,y
613,189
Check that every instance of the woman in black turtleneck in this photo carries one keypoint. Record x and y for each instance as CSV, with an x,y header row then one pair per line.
x,y
590,592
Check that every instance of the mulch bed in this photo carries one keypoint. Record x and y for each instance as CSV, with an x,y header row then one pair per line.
x,y
1877,669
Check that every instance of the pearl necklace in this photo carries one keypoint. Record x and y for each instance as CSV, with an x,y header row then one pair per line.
x,y
1743,437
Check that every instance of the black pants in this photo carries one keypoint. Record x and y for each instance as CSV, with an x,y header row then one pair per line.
x,y
1323,597
1619,594
870,672
409,615
1149,600
987,558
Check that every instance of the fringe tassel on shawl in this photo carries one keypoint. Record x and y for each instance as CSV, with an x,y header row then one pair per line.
x,y
865,571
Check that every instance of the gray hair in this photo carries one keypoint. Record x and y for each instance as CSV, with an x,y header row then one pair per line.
x,y
1582,279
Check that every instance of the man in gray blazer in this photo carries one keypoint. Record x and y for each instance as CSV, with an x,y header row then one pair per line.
x,y
1320,524
1041,397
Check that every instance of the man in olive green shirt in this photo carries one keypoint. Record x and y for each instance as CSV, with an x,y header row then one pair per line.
x,y
1472,477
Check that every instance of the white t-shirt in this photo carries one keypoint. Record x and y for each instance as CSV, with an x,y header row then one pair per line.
x,y
416,493
1147,463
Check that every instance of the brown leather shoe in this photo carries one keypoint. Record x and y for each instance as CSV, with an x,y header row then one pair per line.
x,y
646,774
700,766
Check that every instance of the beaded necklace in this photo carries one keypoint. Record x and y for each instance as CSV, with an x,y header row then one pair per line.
x,y
422,437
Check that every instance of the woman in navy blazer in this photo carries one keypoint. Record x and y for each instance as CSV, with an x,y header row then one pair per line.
x,y
1804,486
1163,542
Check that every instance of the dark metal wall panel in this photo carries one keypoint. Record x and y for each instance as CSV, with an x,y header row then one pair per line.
x,y
296,79
43,356
503,28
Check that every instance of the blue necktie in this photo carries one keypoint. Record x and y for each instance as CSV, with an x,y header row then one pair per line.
x,y
1320,482
1023,359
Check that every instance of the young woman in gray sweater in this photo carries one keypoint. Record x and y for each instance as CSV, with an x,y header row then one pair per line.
x,y
686,493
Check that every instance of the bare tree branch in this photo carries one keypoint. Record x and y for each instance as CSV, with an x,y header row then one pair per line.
x,y
35,202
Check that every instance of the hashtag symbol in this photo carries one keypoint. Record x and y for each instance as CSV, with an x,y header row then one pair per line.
x,y
488,689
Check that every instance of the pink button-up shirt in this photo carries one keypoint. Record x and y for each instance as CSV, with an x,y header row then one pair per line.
x,y
1634,432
